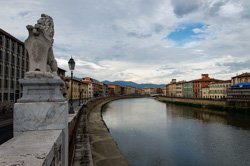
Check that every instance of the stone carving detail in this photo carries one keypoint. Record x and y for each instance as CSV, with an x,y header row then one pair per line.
x,y
39,46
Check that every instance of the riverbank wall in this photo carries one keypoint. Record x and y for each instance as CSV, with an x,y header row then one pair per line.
x,y
103,148
203,103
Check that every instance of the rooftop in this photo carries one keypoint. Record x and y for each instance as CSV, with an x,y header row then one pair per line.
x,y
242,75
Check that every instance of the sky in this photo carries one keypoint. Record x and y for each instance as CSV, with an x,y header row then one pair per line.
x,y
145,41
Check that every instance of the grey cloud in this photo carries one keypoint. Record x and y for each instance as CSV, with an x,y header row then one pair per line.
x,y
215,8
138,35
183,7
246,9
177,73
158,28
165,67
24,13
235,66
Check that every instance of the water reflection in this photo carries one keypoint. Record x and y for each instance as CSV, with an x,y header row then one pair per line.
x,y
209,116
151,133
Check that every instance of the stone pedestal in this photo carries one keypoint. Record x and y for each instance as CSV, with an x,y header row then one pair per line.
x,y
42,107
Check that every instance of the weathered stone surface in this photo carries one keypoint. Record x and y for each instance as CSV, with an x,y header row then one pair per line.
x,y
40,116
32,148
39,45
41,89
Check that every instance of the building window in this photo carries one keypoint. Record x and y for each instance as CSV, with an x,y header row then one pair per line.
x,y
1,40
7,43
13,46
1,71
18,61
22,74
12,84
6,83
19,49
1,56
7,57
12,59
11,96
5,96
17,73
6,71
12,71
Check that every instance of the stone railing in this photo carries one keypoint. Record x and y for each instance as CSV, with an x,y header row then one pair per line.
x,y
33,148
42,147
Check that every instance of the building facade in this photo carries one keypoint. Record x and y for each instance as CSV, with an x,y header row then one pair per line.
x,y
244,77
79,88
116,89
188,89
171,88
218,90
61,73
238,95
179,89
14,62
201,83
205,92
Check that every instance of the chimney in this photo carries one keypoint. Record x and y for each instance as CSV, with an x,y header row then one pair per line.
x,y
204,76
173,81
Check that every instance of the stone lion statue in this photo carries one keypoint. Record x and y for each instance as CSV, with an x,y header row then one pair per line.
x,y
39,45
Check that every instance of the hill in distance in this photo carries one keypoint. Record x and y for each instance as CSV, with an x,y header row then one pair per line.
x,y
130,83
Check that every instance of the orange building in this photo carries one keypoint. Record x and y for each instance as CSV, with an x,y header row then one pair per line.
x,y
201,83
116,89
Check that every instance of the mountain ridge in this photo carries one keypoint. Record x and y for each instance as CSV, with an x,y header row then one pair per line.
x,y
134,84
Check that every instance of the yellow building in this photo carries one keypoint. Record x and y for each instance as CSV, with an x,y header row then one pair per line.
x,y
79,89
129,90
171,88
218,90
205,92
116,89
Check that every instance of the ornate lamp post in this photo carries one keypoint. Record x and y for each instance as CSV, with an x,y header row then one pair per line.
x,y
71,64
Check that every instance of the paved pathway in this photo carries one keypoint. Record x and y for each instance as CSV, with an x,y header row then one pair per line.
x,y
104,149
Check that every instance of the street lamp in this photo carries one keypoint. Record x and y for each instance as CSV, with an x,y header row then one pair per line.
x,y
71,64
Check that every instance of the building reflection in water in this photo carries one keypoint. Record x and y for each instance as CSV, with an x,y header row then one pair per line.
x,y
208,115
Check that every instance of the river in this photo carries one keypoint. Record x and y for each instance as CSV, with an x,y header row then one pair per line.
x,y
153,133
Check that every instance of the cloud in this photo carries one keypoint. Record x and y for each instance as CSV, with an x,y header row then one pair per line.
x,y
214,7
24,13
112,40
182,7
138,35
235,66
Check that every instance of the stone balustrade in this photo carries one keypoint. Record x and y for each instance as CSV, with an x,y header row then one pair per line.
x,y
43,147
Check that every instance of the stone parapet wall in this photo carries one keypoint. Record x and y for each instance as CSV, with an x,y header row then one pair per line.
x,y
33,148
39,148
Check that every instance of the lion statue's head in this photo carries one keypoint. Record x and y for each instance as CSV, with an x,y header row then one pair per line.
x,y
46,24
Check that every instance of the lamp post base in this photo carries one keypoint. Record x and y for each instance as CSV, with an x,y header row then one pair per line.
x,y
71,110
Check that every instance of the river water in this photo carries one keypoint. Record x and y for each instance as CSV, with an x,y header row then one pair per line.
x,y
153,133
